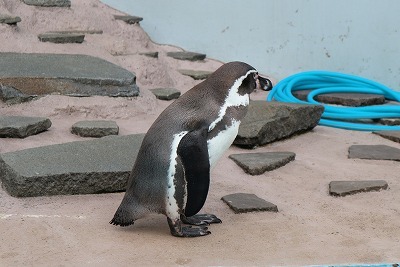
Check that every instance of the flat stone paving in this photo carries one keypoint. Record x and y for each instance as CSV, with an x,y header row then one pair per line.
x,y
61,37
374,152
344,188
21,126
96,128
48,3
242,203
391,135
186,55
75,75
83,167
258,163
166,93
195,74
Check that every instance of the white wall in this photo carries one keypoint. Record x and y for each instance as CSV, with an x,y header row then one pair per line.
x,y
282,37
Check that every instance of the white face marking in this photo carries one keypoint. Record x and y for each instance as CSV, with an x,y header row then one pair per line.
x,y
220,143
171,203
233,99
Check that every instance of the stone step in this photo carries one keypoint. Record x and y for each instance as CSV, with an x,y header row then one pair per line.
x,y
21,127
344,188
97,128
74,75
374,152
391,135
242,202
266,122
82,167
196,74
48,3
10,95
185,55
128,19
61,38
166,93
10,20
258,163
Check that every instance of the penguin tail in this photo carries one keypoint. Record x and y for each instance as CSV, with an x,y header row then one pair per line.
x,y
123,217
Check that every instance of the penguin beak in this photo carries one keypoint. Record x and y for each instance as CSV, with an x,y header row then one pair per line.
x,y
265,84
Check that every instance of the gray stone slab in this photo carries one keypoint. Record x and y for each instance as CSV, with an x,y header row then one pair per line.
x,y
344,188
166,93
242,203
21,127
11,95
391,135
196,74
96,128
79,32
150,54
389,121
128,19
10,20
48,3
75,75
185,55
61,38
258,163
83,167
266,122
375,152
350,99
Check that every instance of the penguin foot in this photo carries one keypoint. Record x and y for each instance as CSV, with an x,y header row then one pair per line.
x,y
178,230
200,219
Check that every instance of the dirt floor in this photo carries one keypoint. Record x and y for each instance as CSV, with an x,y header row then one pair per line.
x,y
310,228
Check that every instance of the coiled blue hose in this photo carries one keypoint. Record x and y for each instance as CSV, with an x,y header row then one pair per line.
x,y
323,82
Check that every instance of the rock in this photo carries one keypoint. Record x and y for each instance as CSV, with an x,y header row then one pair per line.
x,y
196,74
10,20
21,127
61,38
11,95
241,203
258,163
184,55
389,121
266,122
82,167
128,19
78,32
97,128
344,188
391,135
350,99
48,3
150,54
376,152
166,93
78,75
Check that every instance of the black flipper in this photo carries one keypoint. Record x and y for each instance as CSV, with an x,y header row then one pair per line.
x,y
193,152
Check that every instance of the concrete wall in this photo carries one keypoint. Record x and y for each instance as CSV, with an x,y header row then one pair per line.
x,y
282,37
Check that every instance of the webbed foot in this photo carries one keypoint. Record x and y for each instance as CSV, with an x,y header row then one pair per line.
x,y
200,219
177,229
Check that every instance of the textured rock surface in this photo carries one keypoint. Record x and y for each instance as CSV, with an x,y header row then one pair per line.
x,y
150,54
351,99
184,55
196,74
166,93
48,3
241,203
266,122
61,38
258,163
78,75
344,188
128,19
83,167
97,128
376,152
391,135
21,127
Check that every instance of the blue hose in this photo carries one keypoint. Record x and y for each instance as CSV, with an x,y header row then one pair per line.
x,y
324,82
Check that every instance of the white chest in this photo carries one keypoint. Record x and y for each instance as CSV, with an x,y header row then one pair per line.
x,y
221,142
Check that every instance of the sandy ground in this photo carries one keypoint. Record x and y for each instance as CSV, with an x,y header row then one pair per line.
x,y
311,227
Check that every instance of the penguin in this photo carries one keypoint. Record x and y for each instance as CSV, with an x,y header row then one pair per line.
x,y
171,175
